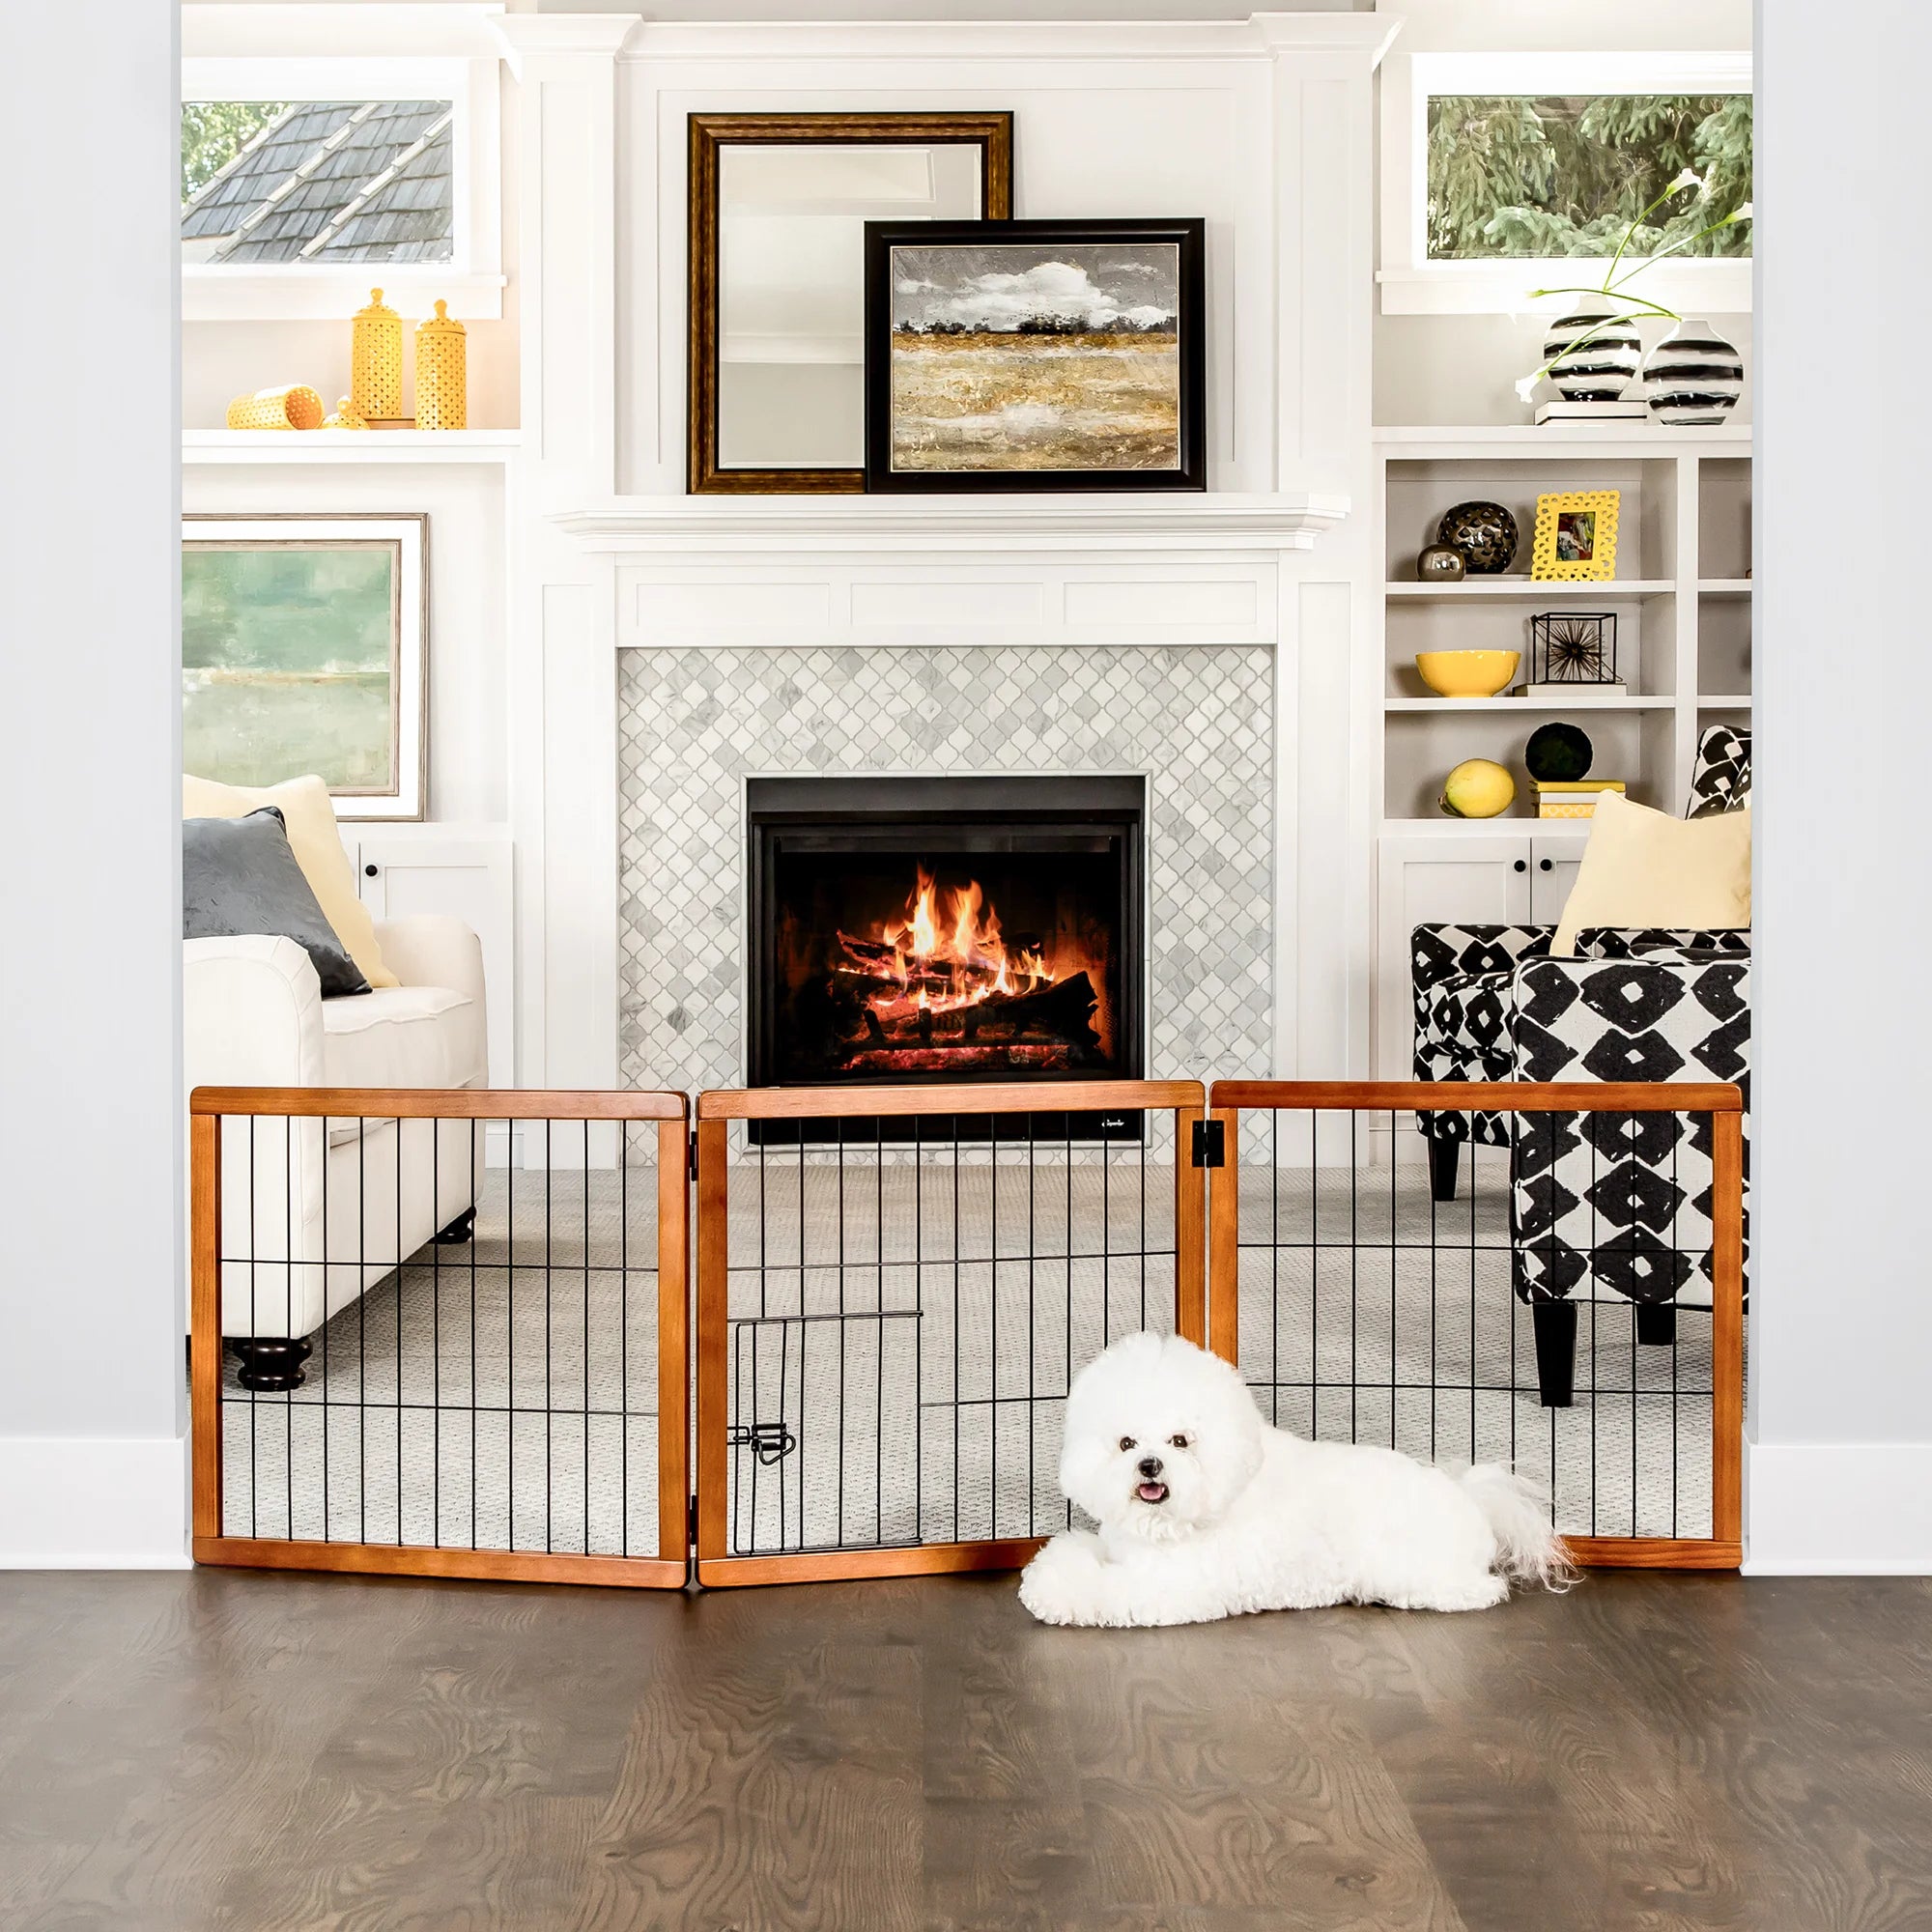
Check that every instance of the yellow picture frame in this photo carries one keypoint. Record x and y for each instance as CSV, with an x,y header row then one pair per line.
x,y
1576,536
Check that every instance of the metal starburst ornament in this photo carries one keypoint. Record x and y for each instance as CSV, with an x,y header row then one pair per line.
x,y
1574,647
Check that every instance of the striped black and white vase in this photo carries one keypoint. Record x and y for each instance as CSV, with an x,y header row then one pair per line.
x,y
1694,376
1603,367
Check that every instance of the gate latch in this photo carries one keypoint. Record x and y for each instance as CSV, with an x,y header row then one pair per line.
x,y
769,1441
1211,1144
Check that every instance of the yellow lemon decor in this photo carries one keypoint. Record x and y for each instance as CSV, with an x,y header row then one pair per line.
x,y
1467,673
346,417
442,359
376,360
292,408
1477,788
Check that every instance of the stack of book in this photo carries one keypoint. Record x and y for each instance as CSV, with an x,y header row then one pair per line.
x,y
1571,798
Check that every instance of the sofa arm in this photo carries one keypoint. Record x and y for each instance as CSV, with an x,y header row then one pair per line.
x,y
251,1013
434,949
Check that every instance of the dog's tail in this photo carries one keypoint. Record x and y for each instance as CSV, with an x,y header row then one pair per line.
x,y
1518,1514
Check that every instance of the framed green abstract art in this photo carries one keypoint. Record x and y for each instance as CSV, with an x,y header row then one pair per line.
x,y
304,648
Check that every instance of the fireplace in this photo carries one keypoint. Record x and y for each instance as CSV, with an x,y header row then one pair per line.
x,y
909,929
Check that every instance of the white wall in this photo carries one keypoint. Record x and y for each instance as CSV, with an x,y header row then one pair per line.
x,y
468,737
91,1468
1840,1470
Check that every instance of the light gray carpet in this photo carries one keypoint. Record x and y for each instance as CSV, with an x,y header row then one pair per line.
x,y
902,1338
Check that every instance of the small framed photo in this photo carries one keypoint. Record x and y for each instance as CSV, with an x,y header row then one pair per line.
x,y
1576,536
304,648
1034,356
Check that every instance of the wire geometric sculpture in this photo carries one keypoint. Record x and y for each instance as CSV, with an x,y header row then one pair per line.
x,y
1572,647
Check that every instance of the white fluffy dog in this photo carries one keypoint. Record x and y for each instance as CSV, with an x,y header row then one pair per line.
x,y
1205,1510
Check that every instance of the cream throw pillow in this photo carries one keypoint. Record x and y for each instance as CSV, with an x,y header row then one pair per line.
x,y
1644,868
310,819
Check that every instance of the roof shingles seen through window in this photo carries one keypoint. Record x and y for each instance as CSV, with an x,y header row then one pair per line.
x,y
334,180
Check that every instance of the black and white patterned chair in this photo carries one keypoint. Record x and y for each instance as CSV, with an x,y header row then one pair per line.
x,y
1602,1205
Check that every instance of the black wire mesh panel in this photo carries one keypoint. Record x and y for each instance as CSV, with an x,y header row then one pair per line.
x,y
415,1347
887,1328
1360,1307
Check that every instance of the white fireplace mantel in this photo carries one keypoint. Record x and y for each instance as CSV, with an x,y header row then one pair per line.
x,y
980,525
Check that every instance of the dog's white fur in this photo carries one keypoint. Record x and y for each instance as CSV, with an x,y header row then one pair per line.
x,y
1255,1519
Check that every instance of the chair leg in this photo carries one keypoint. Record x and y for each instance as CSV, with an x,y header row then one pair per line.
x,y
1442,1161
1555,1325
1657,1324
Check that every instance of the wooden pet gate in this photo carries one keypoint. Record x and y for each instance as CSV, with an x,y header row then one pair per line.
x,y
454,1334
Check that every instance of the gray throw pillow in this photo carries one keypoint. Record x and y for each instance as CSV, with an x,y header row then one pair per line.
x,y
240,876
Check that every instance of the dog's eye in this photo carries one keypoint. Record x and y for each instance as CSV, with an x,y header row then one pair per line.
x,y
1176,1442
1126,1441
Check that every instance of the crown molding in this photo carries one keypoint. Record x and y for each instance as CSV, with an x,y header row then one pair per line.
x,y
826,526
527,36
1261,36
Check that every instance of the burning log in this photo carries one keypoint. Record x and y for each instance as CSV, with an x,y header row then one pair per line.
x,y
1063,1012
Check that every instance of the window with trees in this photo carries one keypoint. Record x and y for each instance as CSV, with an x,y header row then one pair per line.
x,y
1545,177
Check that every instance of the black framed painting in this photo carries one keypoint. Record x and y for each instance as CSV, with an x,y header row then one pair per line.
x,y
1020,355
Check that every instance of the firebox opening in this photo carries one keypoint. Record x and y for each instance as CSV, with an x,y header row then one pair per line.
x,y
981,929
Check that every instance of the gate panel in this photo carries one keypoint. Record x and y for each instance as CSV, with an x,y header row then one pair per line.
x,y
407,1358
1598,1255
887,1323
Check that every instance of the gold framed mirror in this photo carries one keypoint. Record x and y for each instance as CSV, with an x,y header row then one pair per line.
x,y
776,319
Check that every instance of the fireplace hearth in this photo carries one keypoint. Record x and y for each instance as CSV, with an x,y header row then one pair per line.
x,y
908,929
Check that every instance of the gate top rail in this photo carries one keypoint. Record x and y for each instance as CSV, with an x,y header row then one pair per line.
x,y
1501,1096
442,1104
1043,1096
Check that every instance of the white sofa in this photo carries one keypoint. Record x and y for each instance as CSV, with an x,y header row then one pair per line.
x,y
313,1214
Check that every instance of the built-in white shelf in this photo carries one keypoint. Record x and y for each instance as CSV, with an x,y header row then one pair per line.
x,y
1513,440
1724,586
1733,701
1507,589
350,445
1452,705
1575,830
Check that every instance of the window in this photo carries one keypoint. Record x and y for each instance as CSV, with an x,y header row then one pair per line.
x,y
1541,177
307,179
316,180
1502,173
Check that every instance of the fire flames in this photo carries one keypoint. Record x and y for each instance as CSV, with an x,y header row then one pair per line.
x,y
948,952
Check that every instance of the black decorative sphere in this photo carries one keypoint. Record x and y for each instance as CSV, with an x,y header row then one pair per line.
x,y
1557,754
1484,534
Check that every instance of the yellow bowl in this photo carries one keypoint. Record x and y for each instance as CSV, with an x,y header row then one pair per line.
x,y
1467,673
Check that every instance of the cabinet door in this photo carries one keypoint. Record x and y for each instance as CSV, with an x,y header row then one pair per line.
x,y
1552,871
403,871
1470,880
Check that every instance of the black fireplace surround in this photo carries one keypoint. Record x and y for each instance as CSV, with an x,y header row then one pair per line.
x,y
908,929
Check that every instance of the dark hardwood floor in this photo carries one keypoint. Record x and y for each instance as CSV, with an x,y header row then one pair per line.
x,y
258,1751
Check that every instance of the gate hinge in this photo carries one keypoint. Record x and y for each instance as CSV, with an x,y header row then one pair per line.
x,y
691,1159
690,1523
1211,1144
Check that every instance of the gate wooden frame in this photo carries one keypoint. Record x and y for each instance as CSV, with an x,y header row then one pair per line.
x,y
714,1565
1228,1099
669,1568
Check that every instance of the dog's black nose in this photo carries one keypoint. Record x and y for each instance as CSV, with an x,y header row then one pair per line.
x,y
1149,1466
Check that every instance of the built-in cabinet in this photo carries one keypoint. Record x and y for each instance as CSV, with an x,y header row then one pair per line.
x,y
1681,595
463,872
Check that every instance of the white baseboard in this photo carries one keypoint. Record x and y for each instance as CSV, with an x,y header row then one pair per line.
x,y
94,1503
1838,1509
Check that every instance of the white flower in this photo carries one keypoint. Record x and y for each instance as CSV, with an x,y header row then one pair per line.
x,y
1687,178
1742,211
1526,389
